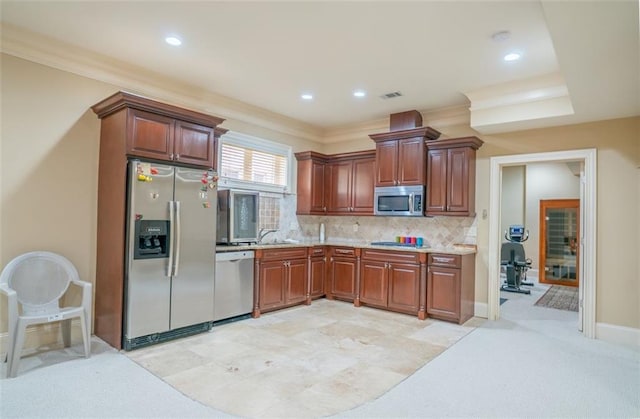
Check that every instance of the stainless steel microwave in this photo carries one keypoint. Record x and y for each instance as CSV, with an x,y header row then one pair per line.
x,y
399,200
238,213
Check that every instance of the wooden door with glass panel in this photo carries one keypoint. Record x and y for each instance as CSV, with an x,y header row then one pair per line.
x,y
559,241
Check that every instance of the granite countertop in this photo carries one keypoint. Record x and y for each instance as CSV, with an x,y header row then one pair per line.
x,y
455,250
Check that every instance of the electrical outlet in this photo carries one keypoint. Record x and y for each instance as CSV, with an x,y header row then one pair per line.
x,y
355,227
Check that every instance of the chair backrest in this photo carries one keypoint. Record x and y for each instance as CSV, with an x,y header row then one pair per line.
x,y
39,280
518,252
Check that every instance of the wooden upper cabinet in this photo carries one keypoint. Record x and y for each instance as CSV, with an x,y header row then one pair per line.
x,y
362,186
194,144
400,156
437,180
150,135
387,163
312,178
350,180
451,169
340,187
337,184
163,132
411,161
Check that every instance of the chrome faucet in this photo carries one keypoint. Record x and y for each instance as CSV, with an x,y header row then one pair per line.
x,y
263,232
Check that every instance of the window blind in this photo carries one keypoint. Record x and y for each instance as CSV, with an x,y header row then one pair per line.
x,y
255,161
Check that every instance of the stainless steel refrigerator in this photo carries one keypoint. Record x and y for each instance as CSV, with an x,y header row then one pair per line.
x,y
171,231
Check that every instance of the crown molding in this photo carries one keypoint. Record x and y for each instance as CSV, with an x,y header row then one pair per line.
x,y
62,56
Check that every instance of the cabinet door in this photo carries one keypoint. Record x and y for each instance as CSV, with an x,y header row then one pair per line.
x,y
272,285
443,293
362,189
458,180
404,287
387,163
411,158
437,180
296,281
343,278
373,282
318,205
340,174
318,266
194,144
150,135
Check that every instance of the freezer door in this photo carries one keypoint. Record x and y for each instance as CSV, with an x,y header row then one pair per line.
x,y
193,281
148,286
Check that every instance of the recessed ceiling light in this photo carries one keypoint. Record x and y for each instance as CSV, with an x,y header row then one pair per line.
x,y
513,56
172,40
307,96
359,93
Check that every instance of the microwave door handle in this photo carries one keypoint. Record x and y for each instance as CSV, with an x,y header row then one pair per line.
x,y
172,238
411,203
178,239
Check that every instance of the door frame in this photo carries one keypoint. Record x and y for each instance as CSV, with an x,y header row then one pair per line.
x,y
588,240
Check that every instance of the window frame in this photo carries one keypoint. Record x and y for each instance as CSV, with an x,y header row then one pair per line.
x,y
258,144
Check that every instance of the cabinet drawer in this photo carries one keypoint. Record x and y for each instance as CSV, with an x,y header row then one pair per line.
x,y
317,251
285,253
387,256
343,251
451,261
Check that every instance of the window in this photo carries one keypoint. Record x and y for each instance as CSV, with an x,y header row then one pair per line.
x,y
253,163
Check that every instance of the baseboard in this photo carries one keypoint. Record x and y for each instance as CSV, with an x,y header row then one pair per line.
x,y
618,334
481,310
43,335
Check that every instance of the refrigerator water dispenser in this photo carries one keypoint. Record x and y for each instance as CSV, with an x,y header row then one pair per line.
x,y
152,239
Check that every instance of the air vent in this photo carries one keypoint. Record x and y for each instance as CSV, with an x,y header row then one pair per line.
x,y
390,95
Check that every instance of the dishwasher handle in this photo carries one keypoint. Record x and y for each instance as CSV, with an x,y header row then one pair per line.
x,y
234,256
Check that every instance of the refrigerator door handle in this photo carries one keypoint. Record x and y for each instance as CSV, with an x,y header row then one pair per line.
x,y
172,238
178,239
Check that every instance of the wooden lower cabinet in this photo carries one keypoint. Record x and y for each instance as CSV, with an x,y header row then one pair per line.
x,y
272,285
436,285
451,287
281,279
393,280
374,283
343,274
404,287
317,271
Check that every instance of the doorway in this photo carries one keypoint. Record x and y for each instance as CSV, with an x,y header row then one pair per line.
x,y
586,249
559,238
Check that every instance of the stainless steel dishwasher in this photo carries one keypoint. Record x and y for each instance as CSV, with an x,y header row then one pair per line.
x,y
233,284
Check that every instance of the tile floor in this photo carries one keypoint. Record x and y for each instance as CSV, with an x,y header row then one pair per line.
x,y
306,361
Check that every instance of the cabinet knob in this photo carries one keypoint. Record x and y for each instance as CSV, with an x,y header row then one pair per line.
x,y
177,156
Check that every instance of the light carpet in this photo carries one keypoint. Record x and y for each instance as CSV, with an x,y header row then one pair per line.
x,y
560,297
306,361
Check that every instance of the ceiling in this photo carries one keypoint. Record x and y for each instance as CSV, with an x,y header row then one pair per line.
x,y
579,59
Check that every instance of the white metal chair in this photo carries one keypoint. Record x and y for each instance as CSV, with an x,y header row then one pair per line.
x,y
34,283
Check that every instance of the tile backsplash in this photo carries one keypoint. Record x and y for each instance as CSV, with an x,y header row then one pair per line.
x,y
437,231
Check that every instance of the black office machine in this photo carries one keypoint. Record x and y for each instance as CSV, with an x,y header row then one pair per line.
x,y
513,258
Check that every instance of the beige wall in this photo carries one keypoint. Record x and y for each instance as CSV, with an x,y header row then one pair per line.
x,y
513,197
48,178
